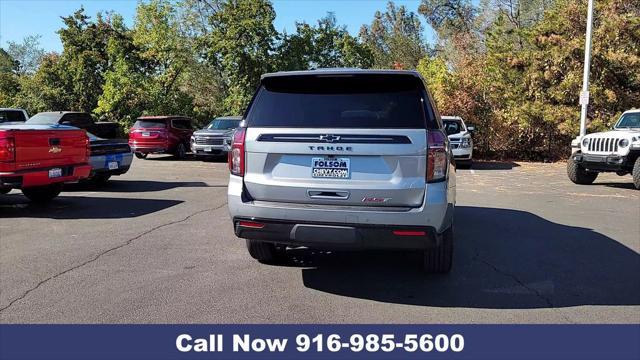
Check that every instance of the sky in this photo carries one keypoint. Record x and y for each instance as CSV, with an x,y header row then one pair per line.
x,y
20,18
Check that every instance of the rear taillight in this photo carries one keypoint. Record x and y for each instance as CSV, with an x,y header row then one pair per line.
x,y
236,155
7,149
87,145
437,163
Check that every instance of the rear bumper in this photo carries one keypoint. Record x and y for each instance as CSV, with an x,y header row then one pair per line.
x,y
368,226
338,236
604,162
40,177
100,163
151,147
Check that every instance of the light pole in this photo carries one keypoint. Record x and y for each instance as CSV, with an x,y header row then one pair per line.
x,y
584,95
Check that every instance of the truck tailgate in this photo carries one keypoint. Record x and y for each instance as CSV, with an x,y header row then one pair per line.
x,y
40,148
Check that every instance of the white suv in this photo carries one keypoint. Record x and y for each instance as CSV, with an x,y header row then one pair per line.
x,y
616,151
461,141
343,159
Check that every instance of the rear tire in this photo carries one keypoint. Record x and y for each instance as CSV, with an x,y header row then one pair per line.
x,y
578,175
265,252
439,259
465,164
181,152
636,174
140,155
42,194
101,179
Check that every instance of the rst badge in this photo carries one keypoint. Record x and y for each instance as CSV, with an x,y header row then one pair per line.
x,y
376,200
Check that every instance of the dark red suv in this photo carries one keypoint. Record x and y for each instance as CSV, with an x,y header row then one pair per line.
x,y
160,135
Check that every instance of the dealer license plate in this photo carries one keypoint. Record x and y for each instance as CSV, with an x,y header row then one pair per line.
x,y
337,168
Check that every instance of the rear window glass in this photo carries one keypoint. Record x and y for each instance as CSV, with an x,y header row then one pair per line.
x,y
11,115
452,126
150,123
182,124
338,102
45,118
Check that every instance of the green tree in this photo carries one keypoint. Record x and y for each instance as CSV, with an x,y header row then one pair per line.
x,y
28,54
165,52
395,38
323,46
43,90
9,80
84,59
241,44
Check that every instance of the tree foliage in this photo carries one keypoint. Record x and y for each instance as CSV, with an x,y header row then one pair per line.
x,y
326,45
511,67
395,38
519,75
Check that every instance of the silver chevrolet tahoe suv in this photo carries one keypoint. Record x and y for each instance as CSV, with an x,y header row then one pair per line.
x,y
343,160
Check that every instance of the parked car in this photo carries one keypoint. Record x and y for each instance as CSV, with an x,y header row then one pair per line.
x,y
82,120
9,115
161,135
109,157
461,141
616,151
215,138
343,159
39,159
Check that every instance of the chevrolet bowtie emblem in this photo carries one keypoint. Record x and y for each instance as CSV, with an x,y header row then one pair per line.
x,y
55,149
329,138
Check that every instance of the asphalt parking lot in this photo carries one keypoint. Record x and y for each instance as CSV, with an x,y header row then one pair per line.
x,y
156,246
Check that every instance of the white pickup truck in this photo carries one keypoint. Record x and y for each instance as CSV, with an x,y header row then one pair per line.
x,y
616,151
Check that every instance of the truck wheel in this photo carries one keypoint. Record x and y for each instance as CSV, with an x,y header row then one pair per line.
x,y
181,151
140,155
266,252
5,190
464,164
578,175
42,194
636,174
439,259
101,179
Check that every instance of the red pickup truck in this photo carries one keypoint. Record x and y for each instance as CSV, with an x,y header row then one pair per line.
x,y
39,159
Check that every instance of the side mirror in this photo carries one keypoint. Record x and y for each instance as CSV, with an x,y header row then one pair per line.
x,y
471,128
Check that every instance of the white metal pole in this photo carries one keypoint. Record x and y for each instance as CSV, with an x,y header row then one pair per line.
x,y
584,96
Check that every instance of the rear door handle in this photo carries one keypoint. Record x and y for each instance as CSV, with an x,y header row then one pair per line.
x,y
328,194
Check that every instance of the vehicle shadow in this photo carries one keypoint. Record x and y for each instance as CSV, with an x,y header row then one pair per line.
x,y
16,205
494,165
166,157
117,185
504,259
617,185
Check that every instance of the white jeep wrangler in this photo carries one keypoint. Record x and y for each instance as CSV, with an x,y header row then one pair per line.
x,y
616,151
